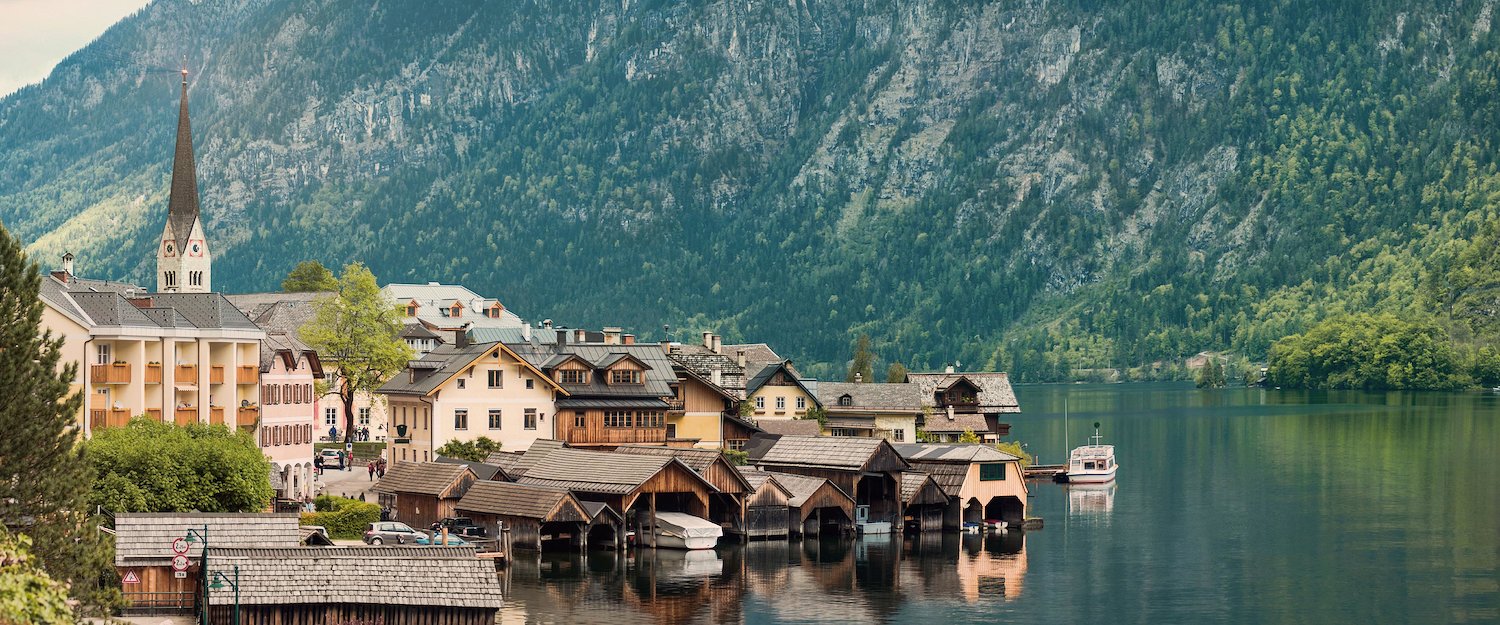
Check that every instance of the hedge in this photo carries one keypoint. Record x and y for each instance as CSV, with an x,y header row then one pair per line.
x,y
344,517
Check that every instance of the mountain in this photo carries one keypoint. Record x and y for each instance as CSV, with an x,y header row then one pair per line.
x,y
1038,186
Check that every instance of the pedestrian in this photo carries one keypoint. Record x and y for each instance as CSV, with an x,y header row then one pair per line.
x,y
380,468
371,467
318,465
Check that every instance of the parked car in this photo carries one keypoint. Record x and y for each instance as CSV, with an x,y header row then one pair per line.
x,y
437,540
462,526
331,458
392,532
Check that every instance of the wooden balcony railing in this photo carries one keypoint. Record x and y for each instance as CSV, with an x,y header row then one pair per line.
x,y
187,375
185,416
216,415
118,373
676,405
108,418
248,374
153,374
248,414
154,413
216,374
615,436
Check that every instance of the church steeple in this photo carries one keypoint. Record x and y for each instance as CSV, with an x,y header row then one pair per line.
x,y
183,261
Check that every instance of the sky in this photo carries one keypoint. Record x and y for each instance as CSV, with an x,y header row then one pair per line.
x,y
36,34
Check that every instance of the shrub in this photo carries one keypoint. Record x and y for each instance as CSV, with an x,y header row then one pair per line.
x,y
344,517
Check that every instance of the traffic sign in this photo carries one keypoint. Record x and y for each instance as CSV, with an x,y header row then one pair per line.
x,y
179,574
179,562
179,545
130,578
349,447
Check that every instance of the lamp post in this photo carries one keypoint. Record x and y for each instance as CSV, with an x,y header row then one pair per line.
x,y
220,580
194,535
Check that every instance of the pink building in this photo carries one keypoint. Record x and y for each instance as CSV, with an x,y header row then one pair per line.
x,y
288,425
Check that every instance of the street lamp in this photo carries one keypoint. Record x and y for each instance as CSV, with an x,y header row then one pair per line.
x,y
219,581
193,536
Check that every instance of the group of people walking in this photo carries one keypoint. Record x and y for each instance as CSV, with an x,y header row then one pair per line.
x,y
376,468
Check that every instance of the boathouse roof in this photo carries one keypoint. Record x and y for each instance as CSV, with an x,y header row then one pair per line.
x,y
145,539
439,577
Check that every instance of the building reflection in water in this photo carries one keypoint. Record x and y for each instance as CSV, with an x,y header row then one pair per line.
x,y
814,580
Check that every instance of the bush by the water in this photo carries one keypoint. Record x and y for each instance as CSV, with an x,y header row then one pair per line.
x,y
344,517
1372,352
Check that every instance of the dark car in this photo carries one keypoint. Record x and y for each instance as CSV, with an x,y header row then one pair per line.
x,y
392,532
462,526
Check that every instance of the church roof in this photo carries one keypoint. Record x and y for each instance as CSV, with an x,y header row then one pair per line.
x,y
182,208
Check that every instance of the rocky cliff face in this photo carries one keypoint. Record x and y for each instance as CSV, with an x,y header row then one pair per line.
x,y
1106,183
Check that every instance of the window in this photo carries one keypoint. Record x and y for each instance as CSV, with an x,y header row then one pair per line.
x,y
457,311
572,376
460,383
460,419
845,432
330,416
624,376
494,419
411,310
364,416
781,403
845,400
898,435
652,419
992,471
195,278
737,444
530,384
760,403
102,351
801,403
617,419
170,278
530,419
496,378
578,419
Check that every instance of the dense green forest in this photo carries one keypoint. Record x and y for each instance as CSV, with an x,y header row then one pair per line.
x,y
1054,189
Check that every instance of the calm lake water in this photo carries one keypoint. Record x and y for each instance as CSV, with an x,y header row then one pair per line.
x,y
1236,505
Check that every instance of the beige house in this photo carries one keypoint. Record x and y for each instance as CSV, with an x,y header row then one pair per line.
x,y
462,392
882,410
968,401
982,483
778,392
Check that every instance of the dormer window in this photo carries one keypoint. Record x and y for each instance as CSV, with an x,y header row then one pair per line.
x,y
845,400
411,309
572,376
456,311
624,376
494,310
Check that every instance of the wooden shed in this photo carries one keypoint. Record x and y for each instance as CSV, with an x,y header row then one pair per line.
x,y
637,485
816,505
766,506
924,502
537,517
143,552
982,483
726,506
868,469
422,493
428,585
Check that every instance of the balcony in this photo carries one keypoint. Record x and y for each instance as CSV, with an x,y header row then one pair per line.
x,y
185,416
248,374
676,405
187,375
216,374
153,374
110,418
216,415
118,373
154,413
248,414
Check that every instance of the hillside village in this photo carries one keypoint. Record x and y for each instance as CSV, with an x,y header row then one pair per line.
x,y
601,435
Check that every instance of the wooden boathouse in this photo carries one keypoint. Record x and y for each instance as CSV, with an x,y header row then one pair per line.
x,y
425,585
982,483
868,469
924,502
536,517
423,493
637,485
816,505
726,506
143,552
766,506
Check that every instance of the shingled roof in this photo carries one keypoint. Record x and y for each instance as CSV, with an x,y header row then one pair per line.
x,y
518,500
912,483
699,460
597,471
953,452
420,478
484,471
435,577
539,449
868,396
793,427
802,486
145,539
959,422
846,453
657,379
995,392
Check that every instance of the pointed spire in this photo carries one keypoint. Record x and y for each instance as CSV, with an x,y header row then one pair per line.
x,y
182,208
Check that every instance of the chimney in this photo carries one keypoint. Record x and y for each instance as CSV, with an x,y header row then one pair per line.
x,y
612,335
717,376
950,412
666,345
858,377
739,358
461,338
629,339
546,324
68,262
948,369
716,344
580,335
526,331
562,337
708,339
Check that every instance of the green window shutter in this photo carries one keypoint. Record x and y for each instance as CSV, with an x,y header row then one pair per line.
x,y
992,472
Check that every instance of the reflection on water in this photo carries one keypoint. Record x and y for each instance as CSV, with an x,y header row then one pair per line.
x,y
830,580
1092,501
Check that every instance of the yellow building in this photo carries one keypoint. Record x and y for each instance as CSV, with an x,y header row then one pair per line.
x,y
777,392
881,410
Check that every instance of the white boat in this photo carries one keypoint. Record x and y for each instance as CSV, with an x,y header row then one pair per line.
x,y
863,525
1093,463
676,530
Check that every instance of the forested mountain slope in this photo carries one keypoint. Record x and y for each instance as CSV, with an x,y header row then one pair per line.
x,y
1031,186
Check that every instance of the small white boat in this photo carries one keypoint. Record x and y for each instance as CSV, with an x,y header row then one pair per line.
x,y
863,525
676,530
1093,463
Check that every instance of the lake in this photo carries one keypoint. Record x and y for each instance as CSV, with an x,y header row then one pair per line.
x,y
1233,505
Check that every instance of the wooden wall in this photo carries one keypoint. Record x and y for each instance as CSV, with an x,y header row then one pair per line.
x,y
343,613
159,579
421,511
593,431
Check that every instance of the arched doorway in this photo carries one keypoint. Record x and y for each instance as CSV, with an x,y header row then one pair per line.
x,y
973,512
1009,509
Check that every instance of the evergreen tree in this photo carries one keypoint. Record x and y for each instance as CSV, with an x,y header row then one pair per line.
x,y
27,593
44,474
896,373
357,334
309,276
1211,374
864,361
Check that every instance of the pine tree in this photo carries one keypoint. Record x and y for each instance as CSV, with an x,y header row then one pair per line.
x,y
44,476
864,361
896,373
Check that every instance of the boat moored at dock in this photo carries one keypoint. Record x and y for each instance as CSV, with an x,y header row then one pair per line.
x,y
1093,463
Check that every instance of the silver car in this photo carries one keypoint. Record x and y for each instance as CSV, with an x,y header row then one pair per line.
x,y
392,532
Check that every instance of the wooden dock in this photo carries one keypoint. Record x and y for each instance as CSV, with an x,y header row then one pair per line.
x,y
1046,471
